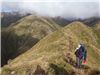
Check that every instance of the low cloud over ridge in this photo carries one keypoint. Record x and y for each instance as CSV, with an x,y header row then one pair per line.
x,y
60,8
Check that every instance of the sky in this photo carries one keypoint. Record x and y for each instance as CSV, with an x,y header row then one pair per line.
x,y
50,0
64,8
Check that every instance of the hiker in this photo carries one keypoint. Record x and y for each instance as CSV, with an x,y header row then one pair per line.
x,y
81,54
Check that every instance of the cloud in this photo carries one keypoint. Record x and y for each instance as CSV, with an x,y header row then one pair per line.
x,y
71,8
51,0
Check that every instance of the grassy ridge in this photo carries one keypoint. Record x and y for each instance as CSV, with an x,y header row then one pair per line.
x,y
23,34
50,52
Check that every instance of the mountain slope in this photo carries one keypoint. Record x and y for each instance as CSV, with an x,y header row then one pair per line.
x,y
50,52
10,17
96,30
92,21
23,34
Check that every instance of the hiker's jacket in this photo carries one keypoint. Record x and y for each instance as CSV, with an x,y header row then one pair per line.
x,y
81,53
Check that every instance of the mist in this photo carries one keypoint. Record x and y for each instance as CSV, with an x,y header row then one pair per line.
x,y
62,8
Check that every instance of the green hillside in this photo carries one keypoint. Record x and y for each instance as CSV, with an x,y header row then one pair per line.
x,y
96,30
50,53
23,34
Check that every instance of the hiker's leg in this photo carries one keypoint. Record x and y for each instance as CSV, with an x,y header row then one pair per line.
x,y
80,63
77,62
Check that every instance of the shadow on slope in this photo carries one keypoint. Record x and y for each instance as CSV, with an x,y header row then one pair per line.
x,y
9,18
58,70
12,45
94,72
39,71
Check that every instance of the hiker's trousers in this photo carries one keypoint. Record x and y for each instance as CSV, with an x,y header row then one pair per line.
x,y
78,62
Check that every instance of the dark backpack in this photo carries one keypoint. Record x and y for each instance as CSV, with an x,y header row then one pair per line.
x,y
79,52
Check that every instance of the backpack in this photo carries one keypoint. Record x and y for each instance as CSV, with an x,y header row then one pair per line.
x,y
79,52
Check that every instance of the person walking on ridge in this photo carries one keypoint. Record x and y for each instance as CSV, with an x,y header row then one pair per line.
x,y
81,55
